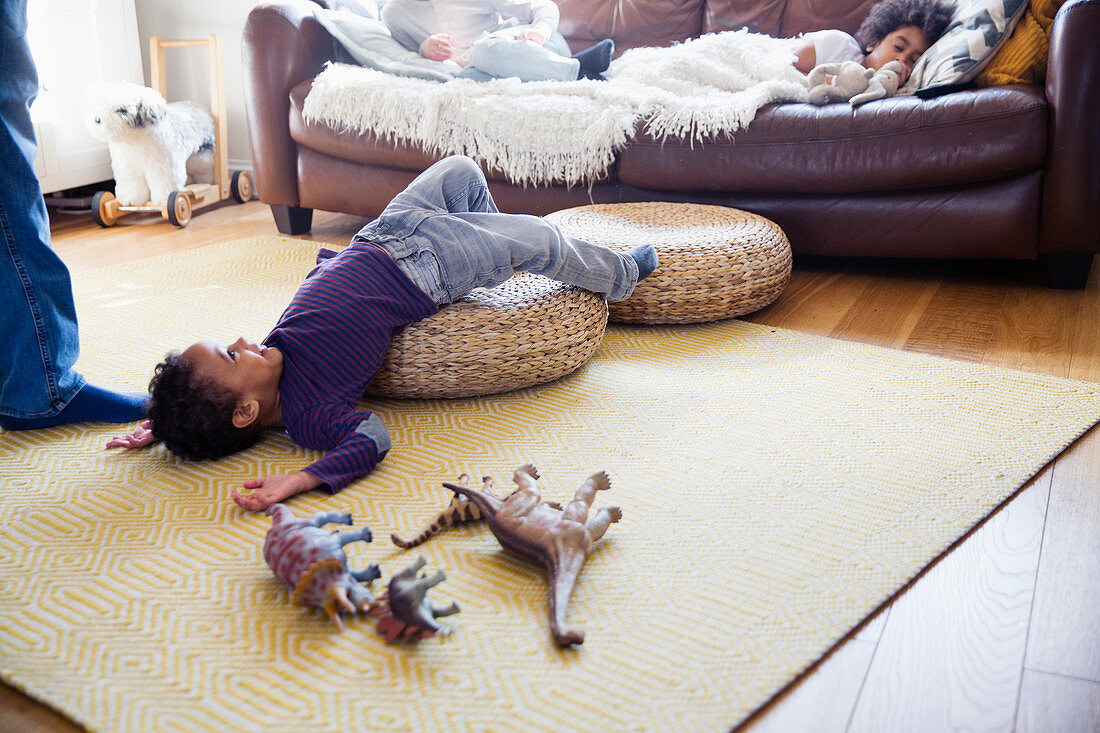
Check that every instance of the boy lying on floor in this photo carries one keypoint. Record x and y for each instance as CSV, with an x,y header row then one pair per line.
x,y
436,241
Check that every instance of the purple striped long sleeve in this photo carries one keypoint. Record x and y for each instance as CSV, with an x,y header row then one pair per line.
x,y
333,336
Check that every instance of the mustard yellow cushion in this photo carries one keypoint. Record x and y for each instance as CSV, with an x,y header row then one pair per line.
x,y
1023,58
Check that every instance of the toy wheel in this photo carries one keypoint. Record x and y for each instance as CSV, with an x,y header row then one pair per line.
x,y
241,186
179,208
104,214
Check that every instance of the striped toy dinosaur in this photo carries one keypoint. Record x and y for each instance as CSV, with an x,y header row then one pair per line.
x,y
460,511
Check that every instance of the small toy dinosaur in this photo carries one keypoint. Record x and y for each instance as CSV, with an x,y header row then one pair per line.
x,y
460,511
312,561
405,612
559,539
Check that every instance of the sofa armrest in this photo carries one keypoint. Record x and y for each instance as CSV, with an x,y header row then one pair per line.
x,y
1071,185
282,46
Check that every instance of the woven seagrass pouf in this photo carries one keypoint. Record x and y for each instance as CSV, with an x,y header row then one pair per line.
x,y
527,331
714,262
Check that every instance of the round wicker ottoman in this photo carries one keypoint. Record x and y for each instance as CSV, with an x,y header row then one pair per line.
x,y
715,262
527,331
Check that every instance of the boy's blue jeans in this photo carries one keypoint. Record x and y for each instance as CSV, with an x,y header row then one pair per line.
x,y
38,331
445,233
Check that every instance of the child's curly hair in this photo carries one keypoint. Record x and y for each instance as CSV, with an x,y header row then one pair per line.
x,y
931,16
193,417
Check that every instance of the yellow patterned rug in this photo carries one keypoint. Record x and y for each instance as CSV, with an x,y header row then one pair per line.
x,y
776,488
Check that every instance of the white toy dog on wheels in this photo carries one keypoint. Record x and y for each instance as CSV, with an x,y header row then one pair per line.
x,y
167,158
156,147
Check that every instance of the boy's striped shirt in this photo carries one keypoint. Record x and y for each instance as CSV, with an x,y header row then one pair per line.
x,y
334,336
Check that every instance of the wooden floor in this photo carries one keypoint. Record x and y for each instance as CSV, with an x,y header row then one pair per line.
x,y
1003,633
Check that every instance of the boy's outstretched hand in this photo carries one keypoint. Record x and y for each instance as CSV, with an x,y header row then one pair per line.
x,y
141,437
273,489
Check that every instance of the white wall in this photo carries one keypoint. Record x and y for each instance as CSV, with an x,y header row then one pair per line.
x,y
188,69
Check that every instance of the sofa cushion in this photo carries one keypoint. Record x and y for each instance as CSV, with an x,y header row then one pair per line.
x,y
784,18
630,24
892,144
349,144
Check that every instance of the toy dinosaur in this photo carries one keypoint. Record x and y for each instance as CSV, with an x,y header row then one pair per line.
x,y
558,539
405,612
460,511
312,561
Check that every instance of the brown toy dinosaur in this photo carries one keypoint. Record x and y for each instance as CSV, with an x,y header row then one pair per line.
x,y
559,539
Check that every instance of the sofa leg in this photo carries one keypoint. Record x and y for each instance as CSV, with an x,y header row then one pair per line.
x,y
292,219
1068,270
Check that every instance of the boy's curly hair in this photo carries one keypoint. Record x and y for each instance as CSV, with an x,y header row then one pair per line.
x,y
931,16
192,416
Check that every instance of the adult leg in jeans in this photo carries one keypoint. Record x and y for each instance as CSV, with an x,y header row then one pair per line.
x,y
38,386
470,244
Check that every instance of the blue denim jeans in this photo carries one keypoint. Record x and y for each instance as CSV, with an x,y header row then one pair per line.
x,y
500,54
446,234
38,332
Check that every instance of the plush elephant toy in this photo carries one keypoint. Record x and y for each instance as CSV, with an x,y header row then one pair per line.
x,y
851,82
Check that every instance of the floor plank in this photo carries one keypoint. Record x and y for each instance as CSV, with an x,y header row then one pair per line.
x,y
1053,704
952,650
1037,329
959,321
84,245
814,299
821,702
1063,637
20,714
1065,620
886,311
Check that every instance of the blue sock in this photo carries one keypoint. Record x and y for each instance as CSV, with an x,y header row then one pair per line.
x,y
595,59
646,257
91,404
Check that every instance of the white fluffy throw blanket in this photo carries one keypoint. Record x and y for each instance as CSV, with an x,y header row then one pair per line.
x,y
568,132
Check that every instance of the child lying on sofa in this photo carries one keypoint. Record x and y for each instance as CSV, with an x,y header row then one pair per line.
x,y
474,35
436,241
894,30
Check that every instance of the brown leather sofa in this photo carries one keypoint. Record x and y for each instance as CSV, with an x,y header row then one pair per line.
x,y
1004,172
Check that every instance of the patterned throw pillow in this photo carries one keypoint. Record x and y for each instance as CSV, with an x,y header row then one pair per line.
x,y
976,30
1023,60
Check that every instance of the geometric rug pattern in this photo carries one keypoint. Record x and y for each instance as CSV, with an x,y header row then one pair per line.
x,y
776,489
